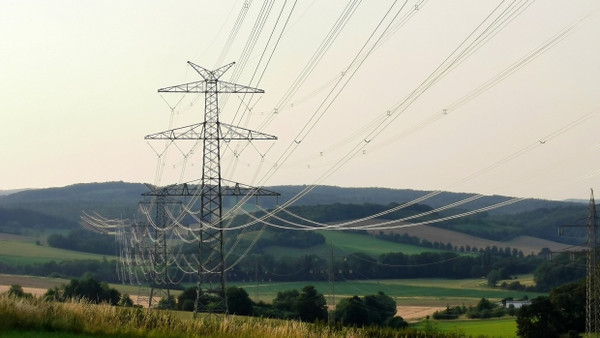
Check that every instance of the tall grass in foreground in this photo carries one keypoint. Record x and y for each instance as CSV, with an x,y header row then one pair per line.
x,y
80,317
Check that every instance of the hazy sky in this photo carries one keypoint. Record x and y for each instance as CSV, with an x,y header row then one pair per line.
x,y
79,84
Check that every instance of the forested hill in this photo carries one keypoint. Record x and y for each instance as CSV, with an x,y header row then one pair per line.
x,y
111,199
119,199
330,195
538,218
11,191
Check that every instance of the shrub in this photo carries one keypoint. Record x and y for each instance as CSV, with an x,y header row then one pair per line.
x,y
450,312
85,288
125,301
167,303
238,301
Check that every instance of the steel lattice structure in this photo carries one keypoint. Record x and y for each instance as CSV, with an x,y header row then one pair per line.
x,y
592,304
155,247
158,250
211,190
592,280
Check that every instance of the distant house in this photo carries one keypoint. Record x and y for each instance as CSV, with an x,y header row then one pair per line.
x,y
516,303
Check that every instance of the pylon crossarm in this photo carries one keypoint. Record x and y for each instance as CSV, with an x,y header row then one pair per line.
x,y
231,133
233,191
238,189
191,132
210,75
196,132
193,188
228,87
183,189
201,86
191,87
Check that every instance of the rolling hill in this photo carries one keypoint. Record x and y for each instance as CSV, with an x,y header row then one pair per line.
x,y
110,195
529,224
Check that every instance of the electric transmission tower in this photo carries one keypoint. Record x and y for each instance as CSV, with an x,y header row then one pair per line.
x,y
592,281
592,303
212,187
158,200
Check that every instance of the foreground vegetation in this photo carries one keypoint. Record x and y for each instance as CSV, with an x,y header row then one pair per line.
x,y
61,310
503,327
32,314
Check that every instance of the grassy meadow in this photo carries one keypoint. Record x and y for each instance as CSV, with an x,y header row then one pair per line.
x,y
38,318
26,252
414,292
45,334
499,328
32,317
345,243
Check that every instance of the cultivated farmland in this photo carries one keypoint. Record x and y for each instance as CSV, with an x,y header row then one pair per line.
x,y
25,252
527,244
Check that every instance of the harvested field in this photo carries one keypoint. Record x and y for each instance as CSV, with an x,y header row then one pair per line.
x,y
537,244
34,285
526,244
412,313
32,282
33,291
11,237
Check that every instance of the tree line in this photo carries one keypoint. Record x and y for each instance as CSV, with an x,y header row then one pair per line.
x,y
386,266
104,270
490,264
20,221
305,305
85,241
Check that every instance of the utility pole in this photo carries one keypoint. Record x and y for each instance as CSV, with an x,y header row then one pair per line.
x,y
592,281
211,190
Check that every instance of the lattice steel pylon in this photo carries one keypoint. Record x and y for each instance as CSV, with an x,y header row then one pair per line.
x,y
592,303
592,280
157,200
211,269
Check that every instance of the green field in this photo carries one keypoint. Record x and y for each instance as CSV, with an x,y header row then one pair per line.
x,y
499,328
413,292
24,252
470,283
502,327
345,243
406,292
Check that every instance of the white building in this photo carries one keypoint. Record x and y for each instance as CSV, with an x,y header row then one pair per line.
x,y
516,303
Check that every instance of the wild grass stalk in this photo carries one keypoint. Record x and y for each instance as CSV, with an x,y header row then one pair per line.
x,y
81,317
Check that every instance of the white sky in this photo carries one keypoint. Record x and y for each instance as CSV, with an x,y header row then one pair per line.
x,y
79,80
